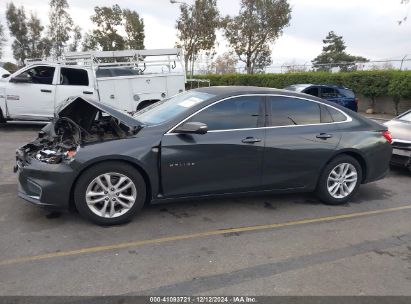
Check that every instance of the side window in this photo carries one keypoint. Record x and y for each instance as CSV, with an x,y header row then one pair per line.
x,y
234,113
40,74
312,91
74,77
329,93
326,115
286,111
336,115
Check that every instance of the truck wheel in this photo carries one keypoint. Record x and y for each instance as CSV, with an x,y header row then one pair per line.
x,y
340,180
2,119
110,193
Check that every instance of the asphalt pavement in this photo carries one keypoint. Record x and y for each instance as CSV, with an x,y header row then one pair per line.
x,y
262,245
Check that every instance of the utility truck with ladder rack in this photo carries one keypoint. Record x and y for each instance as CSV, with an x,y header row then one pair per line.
x,y
128,80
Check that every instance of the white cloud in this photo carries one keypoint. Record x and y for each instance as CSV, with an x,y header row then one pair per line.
x,y
369,27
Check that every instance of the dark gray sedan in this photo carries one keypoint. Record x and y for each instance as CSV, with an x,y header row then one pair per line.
x,y
204,142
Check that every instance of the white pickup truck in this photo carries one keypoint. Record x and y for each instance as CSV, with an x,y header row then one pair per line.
x,y
129,80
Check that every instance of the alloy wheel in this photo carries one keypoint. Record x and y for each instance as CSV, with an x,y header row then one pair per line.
x,y
111,195
342,180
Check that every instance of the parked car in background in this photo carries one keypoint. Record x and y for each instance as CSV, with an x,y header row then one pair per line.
x,y
340,95
207,141
400,128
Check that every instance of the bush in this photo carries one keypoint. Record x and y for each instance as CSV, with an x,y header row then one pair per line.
x,y
399,88
370,84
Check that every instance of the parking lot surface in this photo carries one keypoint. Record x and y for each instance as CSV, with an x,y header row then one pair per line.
x,y
262,245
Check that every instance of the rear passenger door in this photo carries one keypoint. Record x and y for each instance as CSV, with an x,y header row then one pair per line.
x,y
300,139
74,82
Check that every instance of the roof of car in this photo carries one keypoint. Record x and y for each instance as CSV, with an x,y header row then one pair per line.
x,y
302,86
238,90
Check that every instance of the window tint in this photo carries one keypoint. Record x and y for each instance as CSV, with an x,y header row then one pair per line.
x,y
124,72
40,74
234,113
312,91
326,115
287,111
77,77
347,93
336,115
329,93
103,73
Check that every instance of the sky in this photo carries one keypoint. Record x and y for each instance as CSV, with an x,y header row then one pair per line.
x,y
369,27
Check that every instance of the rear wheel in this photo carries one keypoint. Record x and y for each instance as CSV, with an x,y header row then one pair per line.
x,y
2,119
110,193
340,180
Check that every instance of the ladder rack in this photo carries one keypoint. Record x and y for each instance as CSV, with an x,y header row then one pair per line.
x,y
139,59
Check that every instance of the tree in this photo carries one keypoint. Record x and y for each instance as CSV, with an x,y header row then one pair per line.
x,y
259,23
404,19
74,46
399,88
16,22
225,64
60,26
11,67
110,22
134,28
29,41
334,55
2,39
38,46
196,28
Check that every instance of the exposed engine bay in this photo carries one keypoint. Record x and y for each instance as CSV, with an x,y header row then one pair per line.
x,y
78,123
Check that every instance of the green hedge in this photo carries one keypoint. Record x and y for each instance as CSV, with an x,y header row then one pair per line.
x,y
367,83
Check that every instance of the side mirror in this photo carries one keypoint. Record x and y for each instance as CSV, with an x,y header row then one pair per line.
x,y
192,128
21,79
5,75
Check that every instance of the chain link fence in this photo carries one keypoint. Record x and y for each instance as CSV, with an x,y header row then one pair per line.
x,y
403,63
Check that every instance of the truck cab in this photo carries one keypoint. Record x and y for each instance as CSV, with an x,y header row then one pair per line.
x,y
32,92
127,80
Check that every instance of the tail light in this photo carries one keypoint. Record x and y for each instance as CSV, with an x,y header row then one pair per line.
x,y
387,136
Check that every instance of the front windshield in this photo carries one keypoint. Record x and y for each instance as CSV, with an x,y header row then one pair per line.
x,y
406,117
167,109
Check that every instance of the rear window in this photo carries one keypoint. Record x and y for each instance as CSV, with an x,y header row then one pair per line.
x,y
347,93
75,77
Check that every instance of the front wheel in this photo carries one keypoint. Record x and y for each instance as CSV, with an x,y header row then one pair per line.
x,y
340,180
110,193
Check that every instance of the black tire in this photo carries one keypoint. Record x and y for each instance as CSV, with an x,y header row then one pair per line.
x,y
88,177
2,119
322,187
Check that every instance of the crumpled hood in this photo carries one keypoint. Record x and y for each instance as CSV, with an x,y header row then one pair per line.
x,y
82,110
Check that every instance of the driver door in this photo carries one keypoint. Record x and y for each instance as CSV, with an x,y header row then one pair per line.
x,y
228,158
34,99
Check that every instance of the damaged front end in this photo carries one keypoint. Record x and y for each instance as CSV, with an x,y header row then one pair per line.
x,y
79,121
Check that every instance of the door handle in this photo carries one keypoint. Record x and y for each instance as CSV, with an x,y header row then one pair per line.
x,y
87,92
250,140
324,136
45,91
